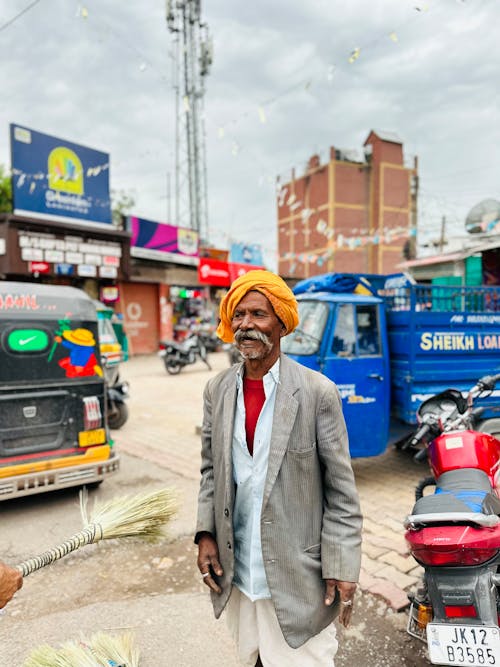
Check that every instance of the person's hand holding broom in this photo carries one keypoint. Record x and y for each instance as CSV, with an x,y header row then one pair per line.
x,y
11,581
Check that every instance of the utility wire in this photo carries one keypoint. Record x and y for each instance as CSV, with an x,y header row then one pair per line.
x,y
131,46
17,16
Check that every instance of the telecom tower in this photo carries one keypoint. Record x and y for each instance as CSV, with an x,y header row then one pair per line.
x,y
192,57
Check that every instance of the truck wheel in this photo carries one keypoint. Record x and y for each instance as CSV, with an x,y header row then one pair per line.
x,y
118,416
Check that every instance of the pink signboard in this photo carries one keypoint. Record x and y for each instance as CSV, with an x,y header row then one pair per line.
x,y
156,240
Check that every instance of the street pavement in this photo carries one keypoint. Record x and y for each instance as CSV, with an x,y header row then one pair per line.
x,y
169,612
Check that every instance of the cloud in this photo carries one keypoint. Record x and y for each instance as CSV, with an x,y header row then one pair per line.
x,y
106,82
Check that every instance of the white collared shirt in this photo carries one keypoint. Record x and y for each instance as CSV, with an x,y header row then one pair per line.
x,y
249,474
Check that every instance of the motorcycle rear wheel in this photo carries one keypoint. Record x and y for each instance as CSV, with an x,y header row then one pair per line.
x,y
118,416
173,366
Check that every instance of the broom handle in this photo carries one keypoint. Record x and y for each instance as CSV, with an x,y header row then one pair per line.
x,y
90,534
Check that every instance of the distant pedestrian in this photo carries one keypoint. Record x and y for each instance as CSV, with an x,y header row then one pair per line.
x,y
279,523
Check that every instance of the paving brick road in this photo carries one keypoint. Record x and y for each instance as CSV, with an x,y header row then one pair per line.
x,y
155,590
166,414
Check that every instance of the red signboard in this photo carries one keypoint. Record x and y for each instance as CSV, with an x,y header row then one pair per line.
x,y
39,267
213,272
221,274
237,270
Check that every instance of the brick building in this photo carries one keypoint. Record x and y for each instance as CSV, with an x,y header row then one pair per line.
x,y
351,214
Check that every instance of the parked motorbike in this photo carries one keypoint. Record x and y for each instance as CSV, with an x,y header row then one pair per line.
x,y
210,340
454,533
112,356
117,391
177,355
116,396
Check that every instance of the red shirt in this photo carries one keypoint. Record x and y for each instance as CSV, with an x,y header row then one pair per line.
x,y
254,396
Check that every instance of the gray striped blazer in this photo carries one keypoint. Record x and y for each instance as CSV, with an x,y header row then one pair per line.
x,y
311,520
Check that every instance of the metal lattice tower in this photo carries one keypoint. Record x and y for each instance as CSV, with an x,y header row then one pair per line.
x,y
192,57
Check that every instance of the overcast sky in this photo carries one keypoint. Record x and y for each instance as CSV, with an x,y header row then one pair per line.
x,y
281,88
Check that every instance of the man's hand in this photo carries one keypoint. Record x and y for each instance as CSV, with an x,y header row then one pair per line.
x,y
346,591
11,580
208,561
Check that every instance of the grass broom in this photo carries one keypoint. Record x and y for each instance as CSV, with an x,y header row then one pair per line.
x,y
115,650
69,655
101,650
142,516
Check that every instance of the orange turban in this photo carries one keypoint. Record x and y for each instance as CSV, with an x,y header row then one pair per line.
x,y
271,286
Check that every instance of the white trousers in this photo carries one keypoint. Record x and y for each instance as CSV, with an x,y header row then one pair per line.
x,y
256,631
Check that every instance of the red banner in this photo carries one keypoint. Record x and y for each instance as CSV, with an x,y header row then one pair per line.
x,y
237,270
38,267
221,274
213,272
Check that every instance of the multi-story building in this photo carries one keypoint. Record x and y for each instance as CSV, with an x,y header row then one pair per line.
x,y
350,214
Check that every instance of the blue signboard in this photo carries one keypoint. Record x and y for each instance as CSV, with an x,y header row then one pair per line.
x,y
56,178
243,253
64,269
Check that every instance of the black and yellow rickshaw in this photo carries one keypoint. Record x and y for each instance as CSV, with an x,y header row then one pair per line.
x,y
53,426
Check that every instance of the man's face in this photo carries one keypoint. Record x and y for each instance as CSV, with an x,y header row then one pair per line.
x,y
257,330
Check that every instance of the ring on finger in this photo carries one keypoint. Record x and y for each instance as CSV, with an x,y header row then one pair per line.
x,y
205,575
346,603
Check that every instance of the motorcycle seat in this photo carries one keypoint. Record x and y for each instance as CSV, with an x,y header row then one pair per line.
x,y
188,343
464,491
417,521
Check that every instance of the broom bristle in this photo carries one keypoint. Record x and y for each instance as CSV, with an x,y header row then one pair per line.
x,y
42,656
68,655
119,650
143,515
78,655
101,650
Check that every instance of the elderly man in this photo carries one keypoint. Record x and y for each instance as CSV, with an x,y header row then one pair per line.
x,y
11,580
279,524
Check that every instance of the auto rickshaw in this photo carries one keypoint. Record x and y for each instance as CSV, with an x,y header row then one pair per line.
x,y
53,428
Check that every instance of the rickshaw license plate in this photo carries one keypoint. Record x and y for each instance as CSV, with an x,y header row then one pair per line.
x,y
87,438
473,645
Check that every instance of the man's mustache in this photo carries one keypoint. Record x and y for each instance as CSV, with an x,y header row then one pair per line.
x,y
251,334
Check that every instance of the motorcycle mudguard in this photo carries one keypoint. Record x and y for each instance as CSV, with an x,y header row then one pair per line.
x,y
491,426
470,585
116,395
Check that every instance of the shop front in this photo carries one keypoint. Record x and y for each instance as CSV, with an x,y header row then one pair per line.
x,y
139,306
53,252
162,297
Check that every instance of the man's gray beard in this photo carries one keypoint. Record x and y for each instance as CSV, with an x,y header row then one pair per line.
x,y
239,336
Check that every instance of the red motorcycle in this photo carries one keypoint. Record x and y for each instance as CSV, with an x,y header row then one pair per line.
x,y
454,533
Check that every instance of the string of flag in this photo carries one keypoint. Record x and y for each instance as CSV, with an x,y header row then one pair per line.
x,y
40,175
39,180
261,110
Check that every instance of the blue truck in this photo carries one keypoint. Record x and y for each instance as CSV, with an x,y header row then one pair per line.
x,y
389,344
